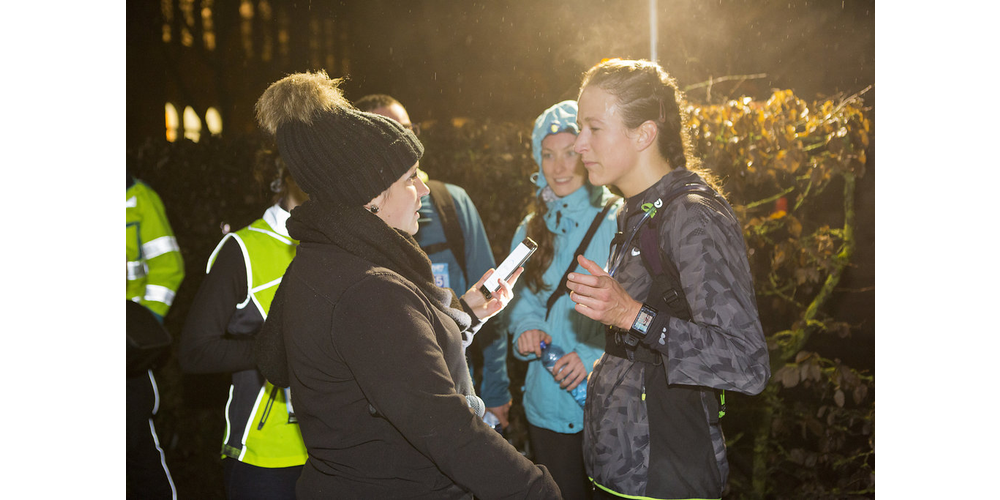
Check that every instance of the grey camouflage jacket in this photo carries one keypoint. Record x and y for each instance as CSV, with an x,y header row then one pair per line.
x,y
652,430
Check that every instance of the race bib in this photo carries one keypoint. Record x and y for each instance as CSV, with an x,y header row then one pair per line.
x,y
441,275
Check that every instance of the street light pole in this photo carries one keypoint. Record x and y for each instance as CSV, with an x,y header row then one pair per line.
x,y
652,30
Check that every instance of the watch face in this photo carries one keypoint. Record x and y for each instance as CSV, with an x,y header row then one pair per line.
x,y
643,321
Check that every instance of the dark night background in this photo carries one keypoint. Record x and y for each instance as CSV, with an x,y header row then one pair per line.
x,y
497,62
503,60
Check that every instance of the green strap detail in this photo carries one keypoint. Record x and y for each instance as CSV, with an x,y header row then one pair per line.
x,y
649,209
636,497
722,404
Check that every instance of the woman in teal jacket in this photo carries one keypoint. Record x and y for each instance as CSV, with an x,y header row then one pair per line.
x,y
565,207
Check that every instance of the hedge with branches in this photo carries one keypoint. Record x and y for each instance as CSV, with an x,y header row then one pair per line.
x,y
789,168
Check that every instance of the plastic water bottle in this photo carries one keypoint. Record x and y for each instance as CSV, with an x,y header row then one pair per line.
x,y
551,354
494,422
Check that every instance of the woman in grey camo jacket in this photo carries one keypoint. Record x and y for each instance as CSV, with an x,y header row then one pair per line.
x,y
651,422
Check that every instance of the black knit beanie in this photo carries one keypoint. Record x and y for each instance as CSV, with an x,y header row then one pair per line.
x,y
334,152
347,155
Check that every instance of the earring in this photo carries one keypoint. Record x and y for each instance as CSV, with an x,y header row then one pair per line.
x,y
373,209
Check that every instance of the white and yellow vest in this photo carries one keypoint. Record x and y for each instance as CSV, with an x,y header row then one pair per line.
x,y
266,433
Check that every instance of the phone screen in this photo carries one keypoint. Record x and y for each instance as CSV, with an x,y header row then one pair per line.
x,y
516,259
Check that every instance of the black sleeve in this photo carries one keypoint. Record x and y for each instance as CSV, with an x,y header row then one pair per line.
x,y
205,346
269,345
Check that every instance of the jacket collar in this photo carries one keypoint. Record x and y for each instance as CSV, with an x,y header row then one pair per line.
x,y
276,218
655,193
574,207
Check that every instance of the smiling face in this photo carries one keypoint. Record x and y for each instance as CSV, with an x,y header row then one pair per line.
x,y
561,166
605,144
398,205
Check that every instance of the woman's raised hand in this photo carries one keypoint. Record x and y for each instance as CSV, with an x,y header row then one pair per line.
x,y
599,297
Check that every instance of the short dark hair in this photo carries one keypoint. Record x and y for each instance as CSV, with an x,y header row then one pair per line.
x,y
375,101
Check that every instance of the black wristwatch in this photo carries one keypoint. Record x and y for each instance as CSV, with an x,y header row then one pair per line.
x,y
640,327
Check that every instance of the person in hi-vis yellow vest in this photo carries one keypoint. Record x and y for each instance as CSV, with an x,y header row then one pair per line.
x,y
262,450
154,270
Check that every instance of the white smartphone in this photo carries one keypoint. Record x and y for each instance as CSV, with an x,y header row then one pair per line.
x,y
516,259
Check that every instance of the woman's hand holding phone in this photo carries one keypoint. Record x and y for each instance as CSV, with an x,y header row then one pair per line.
x,y
487,308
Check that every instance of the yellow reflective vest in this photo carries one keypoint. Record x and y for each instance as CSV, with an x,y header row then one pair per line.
x,y
154,267
261,428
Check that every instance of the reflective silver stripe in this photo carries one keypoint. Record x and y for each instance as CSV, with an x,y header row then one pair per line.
x,y
157,293
131,202
159,246
288,405
273,235
156,439
135,270
255,290
261,394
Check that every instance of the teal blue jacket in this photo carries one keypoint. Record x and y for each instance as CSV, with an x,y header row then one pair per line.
x,y
546,404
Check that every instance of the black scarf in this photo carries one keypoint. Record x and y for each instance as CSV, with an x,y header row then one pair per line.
x,y
363,234
360,233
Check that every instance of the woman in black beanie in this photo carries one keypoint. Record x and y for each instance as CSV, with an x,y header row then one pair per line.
x,y
373,351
